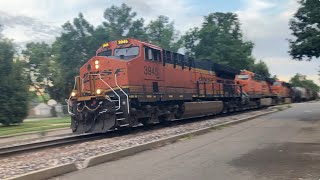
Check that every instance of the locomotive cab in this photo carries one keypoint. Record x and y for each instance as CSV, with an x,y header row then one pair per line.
x,y
106,91
253,83
282,90
101,95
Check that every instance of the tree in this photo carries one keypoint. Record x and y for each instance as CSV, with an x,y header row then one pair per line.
x,y
39,64
189,41
275,77
261,68
305,26
220,39
119,20
301,81
13,86
0,30
161,32
319,73
70,51
99,36
137,30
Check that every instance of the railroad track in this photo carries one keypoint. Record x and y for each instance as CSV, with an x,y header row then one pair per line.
x,y
12,150
23,148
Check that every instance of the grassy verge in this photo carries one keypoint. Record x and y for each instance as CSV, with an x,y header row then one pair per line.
x,y
35,126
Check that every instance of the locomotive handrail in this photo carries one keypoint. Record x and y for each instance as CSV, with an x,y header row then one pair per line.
x,y
67,101
82,84
119,104
115,79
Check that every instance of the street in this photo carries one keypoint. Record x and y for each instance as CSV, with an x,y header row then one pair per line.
x,y
281,146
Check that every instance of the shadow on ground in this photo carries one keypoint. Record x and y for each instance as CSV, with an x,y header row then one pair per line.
x,y
282,161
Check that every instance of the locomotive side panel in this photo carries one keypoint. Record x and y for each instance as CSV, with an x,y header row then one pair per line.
x,y
253,84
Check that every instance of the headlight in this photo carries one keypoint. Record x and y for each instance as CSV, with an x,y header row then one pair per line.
x,y
98,91
97,66
73,93
96,62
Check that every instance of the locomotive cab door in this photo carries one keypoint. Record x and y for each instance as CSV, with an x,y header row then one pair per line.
x,y
153,69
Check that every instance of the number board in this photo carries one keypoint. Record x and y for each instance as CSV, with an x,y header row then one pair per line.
x,y
124,41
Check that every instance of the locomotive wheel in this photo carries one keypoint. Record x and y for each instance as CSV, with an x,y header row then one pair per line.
x,y
167,118
74,124
90,120
75,119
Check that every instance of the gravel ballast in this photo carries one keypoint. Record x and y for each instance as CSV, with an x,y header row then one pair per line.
x,y
77,153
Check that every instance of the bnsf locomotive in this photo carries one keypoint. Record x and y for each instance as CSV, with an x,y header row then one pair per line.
x,y
130,82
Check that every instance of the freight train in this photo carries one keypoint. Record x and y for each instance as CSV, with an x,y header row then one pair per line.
x,y
131,82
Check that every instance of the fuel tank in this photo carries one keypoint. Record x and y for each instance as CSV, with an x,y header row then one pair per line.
x,y
265,101
202,108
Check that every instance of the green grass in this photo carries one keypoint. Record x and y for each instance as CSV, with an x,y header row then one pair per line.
x,y
35,126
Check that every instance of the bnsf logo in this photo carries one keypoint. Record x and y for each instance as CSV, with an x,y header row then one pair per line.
x,y
103,74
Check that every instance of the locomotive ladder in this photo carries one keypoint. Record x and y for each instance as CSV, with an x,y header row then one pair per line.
x,y
120,116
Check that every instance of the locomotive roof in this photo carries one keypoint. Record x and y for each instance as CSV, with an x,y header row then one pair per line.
x,y
206,64
223,71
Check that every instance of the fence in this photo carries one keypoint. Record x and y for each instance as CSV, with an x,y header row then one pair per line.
x,y
54,111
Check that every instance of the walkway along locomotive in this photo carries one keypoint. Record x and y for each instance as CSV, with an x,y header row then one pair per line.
x,y
130,82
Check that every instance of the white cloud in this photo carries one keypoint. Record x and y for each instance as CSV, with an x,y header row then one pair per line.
x,y
49,10
256,21
29,9
25,29
58,12
179,11
266,23
285,68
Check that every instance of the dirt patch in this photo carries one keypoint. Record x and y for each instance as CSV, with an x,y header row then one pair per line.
x,y
283,161
310,119
308,129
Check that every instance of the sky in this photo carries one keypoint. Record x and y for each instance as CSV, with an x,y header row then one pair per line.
x,y
264,22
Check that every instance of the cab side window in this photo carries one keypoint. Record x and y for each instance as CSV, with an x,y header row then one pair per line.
x,y
175,59
167,56
152,54
257,77
190,63
181,61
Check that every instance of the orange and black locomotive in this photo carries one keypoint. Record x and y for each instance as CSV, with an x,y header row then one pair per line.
x,y
130,82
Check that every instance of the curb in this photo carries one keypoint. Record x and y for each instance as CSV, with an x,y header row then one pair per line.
x,y
47,173
95,160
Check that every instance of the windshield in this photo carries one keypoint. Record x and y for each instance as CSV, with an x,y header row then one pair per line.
x,y
243,77
276,84
126,53
105,53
